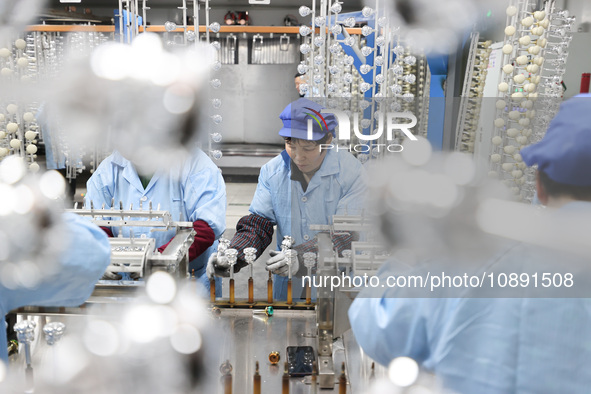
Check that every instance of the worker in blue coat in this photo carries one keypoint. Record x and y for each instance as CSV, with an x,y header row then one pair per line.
x,y
86,256
192,190
307,184
503,345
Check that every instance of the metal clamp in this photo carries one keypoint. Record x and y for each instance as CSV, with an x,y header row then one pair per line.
x,y
284,43
53,332
257,46
231,42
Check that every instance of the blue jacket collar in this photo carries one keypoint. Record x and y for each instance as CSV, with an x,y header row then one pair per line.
x,y
330,164
285,158
130,174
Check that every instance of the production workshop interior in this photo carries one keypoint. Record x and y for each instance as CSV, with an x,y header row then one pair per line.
x,y
281,196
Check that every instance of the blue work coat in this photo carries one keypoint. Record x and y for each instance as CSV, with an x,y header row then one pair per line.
x,y
337,188
192,191
487,345
86,258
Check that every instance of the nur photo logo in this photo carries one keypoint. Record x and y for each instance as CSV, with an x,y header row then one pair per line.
x,y
390,121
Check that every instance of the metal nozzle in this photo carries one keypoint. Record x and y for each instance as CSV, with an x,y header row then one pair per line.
x,y
53,332
25,331
309,259
291,256
250,255
226,368
287,243
222,246
232,255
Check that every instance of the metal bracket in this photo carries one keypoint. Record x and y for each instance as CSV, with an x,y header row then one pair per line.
x,y
284,43
257,46
231,42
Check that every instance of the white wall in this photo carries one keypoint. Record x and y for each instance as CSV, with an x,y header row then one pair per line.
x,y
581,9
579,61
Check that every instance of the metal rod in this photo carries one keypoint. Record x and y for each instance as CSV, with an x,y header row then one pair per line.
x,y
343,381
228,383
310,78
212,289
324,13
232,299
207,21
285,380
289,292
135,16
128,25
256,386
250,290
314,380
145,24
196,20
270,288
184,21
121,21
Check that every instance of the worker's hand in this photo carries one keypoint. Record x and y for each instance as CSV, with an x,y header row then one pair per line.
x,y
278,264
217,267
111,276
135,275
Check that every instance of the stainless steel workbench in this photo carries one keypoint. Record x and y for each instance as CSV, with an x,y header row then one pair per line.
x,y
249,337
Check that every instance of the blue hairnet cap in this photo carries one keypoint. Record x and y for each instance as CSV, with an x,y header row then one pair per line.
x,y
564,154
295,120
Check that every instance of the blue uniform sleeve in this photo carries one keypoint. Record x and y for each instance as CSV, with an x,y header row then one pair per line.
x,y
205,198
262,202
387,327
86,257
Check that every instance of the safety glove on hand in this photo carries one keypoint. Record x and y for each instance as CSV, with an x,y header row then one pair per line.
x,y
111,276
217,266
278,264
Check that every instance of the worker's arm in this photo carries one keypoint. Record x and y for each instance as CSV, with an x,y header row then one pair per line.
x,y
86,255
204,195
256,230
204,238
205,198
252,231
387,324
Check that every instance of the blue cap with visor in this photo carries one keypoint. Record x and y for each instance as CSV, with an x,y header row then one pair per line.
x,y
298,114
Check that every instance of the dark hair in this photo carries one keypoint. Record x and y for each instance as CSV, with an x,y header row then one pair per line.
x,y
557,189
321,141
298,75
